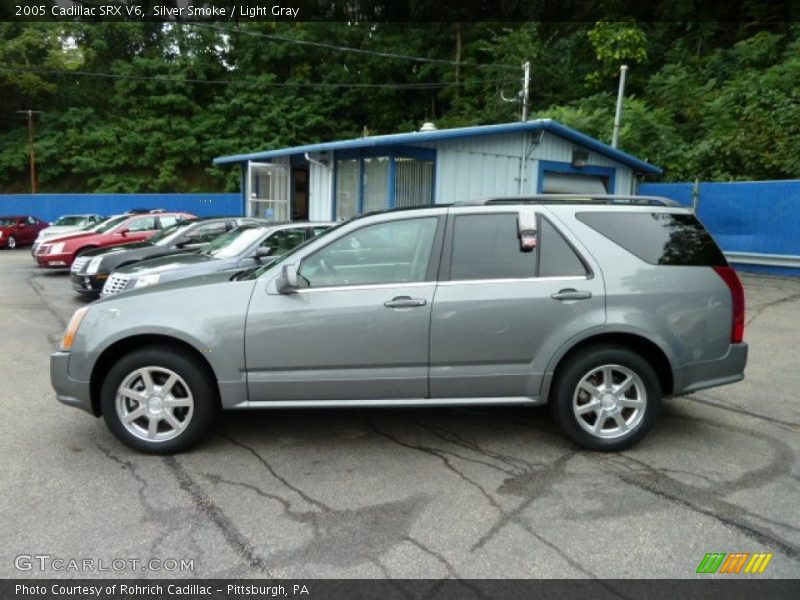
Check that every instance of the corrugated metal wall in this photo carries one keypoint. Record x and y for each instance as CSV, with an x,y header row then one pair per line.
x,y
474,167
761,216
51,206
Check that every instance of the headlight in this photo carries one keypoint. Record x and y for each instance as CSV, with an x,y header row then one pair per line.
x,y
1,235
146,280
57,248
94,264
72,328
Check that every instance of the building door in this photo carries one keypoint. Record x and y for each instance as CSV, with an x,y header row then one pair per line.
x,y
268,193
299,194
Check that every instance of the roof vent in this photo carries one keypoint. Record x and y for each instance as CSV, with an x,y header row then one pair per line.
x,y
428,126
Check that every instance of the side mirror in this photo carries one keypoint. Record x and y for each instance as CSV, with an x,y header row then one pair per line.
x,y
288,281
262,252
124,232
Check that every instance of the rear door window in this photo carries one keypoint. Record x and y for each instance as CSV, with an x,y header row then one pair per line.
x,y
486,246
658,238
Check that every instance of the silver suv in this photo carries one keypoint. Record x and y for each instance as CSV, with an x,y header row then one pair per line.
x,y
596,306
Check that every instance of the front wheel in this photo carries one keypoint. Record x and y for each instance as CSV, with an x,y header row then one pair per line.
x,y
606,398
158,401
11,243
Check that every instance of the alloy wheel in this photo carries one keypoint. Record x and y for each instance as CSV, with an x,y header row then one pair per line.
x,y
154,404
609,401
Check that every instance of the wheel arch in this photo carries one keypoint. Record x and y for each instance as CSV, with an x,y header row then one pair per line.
x,y
650,350
129,344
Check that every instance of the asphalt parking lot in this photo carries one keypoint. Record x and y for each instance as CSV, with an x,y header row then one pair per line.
x,y
401,493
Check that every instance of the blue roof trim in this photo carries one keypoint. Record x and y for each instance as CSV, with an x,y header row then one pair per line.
x,y
460,132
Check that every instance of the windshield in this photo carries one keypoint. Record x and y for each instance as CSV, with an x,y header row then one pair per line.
x,y
167,235
7,222
255,272
234,242
110,224
71,220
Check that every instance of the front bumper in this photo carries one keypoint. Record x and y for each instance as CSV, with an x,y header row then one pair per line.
x,y
69,391
57,261
699,376
88,284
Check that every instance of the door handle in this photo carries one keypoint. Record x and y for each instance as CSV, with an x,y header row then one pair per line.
x,y
571,294
405,302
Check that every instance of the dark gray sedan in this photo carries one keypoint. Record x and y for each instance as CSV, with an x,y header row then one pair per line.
x,y
91,269
246,246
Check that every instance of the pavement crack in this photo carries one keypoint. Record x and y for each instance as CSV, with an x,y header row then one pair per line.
x,y
235,539
515,464
759,309
283,480
711,401
667,488
441,455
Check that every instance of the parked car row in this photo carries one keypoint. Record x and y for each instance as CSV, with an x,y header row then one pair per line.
x,y
144,247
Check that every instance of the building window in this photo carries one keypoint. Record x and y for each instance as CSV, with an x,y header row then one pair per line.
x,y
376,184
369,184
347,188
413,184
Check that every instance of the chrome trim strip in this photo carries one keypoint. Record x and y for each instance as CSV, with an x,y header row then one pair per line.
x,y
393,403
516,280
379,286
375,286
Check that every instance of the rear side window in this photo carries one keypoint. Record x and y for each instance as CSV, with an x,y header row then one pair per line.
x,y
658,238
557,258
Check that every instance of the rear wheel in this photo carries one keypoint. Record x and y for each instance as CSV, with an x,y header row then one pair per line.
x,y
158,401
606,398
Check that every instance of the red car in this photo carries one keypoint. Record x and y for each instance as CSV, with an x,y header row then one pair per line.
x,y
124,229
16,231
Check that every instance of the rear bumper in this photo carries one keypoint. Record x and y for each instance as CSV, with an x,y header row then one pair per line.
x,y
69,391
699,376
88,284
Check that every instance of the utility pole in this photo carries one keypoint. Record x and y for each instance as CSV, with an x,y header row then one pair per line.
x,y
618,116
32,143
526,82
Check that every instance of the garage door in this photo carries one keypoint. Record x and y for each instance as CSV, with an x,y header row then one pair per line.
x,y
571,183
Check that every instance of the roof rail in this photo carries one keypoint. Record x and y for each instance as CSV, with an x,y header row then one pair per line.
x,y
574,199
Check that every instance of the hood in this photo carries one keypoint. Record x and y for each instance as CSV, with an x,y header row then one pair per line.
x,y
117,249
166,263
56,230
187,283
70,236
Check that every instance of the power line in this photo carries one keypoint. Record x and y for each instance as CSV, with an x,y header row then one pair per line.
x,y
280,38
286,84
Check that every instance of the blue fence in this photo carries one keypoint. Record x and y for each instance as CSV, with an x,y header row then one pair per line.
x,y
51,206
746,218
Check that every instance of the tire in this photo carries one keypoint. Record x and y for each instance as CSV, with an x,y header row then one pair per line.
x,y
11,242
579,398
182,413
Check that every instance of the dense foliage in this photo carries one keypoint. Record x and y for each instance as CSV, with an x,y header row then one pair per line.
x,y
144,107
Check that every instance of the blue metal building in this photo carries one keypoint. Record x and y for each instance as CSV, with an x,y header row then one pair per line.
x,y
335,180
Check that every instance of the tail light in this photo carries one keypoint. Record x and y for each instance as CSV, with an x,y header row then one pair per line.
x,y
731,279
